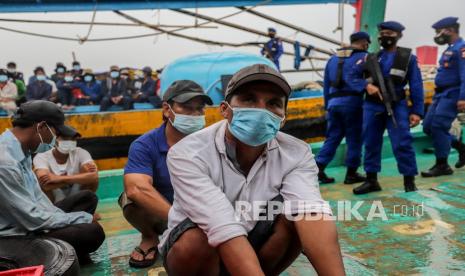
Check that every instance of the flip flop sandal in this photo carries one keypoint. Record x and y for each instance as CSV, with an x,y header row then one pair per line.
x,y
144,262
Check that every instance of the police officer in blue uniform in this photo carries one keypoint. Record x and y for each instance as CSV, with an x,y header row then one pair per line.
x,y
449,97
273,49
399,68
343,95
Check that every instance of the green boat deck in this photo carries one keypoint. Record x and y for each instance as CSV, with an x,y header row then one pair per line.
x,y
424,232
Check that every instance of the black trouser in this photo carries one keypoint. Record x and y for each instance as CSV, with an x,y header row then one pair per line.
x,y
85,237
125,102
66,97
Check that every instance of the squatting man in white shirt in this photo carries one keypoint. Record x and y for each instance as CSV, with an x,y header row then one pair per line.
x,y
245,158
66,169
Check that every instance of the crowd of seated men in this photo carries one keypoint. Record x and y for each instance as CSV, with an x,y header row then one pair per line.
x,y
76,87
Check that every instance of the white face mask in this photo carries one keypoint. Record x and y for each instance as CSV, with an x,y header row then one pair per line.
x,y
66,146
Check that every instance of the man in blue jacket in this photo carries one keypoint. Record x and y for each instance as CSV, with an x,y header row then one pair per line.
x,y
449,97
399,68
91,89
38,88
343,94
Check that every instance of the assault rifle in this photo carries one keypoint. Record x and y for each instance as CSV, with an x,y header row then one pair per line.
x,y
388,93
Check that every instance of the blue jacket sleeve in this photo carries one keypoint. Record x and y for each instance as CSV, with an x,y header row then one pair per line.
x,y
149,90
416,87
354,78
29,92
96,90
61,84
326,85
462,73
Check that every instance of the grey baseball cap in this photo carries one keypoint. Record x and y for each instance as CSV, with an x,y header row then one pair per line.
x,y
182,91
257,72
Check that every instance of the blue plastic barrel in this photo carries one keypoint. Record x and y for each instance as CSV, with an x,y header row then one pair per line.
x,y
207,69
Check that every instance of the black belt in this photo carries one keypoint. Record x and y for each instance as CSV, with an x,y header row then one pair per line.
x,y
444,88
340,94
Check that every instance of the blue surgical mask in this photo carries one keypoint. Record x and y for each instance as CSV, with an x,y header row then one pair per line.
x,y
60,70
41,77
188,124
254,126
69,78
76,67
43,147
114,74
3,78
88,78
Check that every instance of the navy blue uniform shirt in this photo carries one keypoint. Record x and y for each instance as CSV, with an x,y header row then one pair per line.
x,y
352,80
451,71
275,46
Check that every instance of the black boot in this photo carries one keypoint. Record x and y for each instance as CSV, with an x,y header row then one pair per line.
x,y
322,177
460,147
440,168
352,176
409,183
371,184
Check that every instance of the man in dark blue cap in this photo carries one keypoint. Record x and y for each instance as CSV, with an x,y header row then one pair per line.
x,y
449,97
399,68
273,49
343,93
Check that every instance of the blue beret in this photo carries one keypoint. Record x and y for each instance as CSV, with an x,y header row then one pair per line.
x,y
359,36
445,22
271,29
391,25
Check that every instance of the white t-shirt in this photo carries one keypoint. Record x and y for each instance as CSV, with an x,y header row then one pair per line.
x,y
72,166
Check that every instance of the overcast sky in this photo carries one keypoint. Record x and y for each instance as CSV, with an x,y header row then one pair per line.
x,y
28,51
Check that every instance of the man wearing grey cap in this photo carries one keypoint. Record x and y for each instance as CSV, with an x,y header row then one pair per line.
x,y
26,210
228,180
148,193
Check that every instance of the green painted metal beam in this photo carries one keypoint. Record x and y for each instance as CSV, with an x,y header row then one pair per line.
x,y
373,12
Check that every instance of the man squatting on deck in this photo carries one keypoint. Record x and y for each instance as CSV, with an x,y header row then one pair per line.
x,y
26,210
244,159
148,193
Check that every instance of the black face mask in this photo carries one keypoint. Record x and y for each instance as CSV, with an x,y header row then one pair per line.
x,y
387,41
442,39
